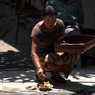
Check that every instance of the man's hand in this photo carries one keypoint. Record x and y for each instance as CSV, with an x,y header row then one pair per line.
x,y
40,74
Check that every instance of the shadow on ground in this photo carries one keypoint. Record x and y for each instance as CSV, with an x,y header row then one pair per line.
x,y
15,61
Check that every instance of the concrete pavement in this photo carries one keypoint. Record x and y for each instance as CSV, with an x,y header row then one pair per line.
x,y
80,82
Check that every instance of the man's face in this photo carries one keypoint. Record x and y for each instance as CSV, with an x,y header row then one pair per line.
x,y
50,21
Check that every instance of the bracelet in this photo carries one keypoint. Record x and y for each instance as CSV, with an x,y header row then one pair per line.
x,y
39,68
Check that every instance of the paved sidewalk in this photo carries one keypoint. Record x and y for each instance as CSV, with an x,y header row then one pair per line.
x,y
80,82
17,70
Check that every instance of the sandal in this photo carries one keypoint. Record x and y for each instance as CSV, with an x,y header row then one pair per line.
x,y
58,79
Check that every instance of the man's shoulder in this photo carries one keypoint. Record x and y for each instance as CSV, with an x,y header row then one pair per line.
x,y
37,26
59,20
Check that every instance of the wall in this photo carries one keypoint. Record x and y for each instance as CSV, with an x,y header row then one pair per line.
x,y
89,13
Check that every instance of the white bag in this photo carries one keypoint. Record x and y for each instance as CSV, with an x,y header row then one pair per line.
x,y
37,4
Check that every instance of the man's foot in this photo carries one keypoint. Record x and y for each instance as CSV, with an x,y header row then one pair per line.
x,y
56,76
